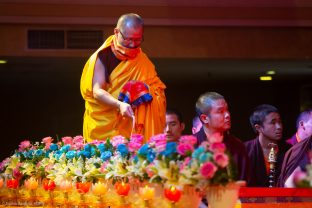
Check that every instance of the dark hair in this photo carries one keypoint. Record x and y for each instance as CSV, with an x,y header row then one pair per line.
x,y
170,111
259,114
303,116
204,102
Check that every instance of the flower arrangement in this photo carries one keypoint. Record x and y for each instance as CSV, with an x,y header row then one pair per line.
x,y
107,165
303,179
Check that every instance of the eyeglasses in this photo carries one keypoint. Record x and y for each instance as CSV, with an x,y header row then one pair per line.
x,y
129,40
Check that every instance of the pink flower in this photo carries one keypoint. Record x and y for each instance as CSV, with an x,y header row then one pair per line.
x,y
158,138
217,147
183,149
67,140
47,140
207,170
97,142
135,143
116,140
78,139
185,162
159,141
4,163
221,159
299,176
24,145
17,174
78,142
189,139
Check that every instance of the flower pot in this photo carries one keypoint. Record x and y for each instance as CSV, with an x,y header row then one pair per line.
x,y
223,196
190,198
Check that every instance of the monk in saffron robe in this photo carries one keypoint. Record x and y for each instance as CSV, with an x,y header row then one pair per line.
x,y
118,61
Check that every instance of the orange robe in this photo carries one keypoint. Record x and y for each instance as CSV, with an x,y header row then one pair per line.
x,y
102,121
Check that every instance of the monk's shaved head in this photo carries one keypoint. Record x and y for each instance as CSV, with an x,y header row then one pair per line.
x,y
130,20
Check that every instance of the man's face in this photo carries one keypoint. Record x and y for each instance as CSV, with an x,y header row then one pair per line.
x,y
130,37
272,127
174,128
219,118
307,127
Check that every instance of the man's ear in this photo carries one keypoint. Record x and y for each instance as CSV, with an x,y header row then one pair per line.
x,y
258,128
204,118
301,124
183,126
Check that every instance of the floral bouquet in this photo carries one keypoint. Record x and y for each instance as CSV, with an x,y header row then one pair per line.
x,y
70,171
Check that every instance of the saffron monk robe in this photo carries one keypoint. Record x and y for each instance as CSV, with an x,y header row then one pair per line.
x,y
118,61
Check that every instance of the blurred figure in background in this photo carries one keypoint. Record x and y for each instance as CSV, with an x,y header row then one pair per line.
x,y
174,125
303,125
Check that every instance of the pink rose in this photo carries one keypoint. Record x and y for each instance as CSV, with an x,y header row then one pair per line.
x,y
221,159
183,149
78,139
67,140
158,138
138,138
159,141
116,140
135,143
78,142
47,140
217,147
24,145
207,170
189,139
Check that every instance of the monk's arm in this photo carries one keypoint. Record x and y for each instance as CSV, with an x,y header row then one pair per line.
x,y
98,84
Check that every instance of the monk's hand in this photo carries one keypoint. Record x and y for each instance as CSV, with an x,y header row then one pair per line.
x,y
125,109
